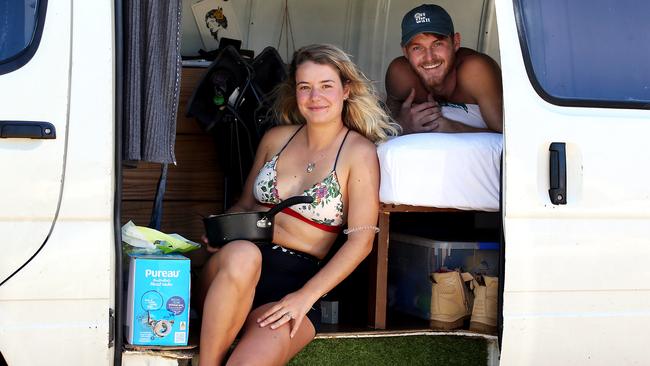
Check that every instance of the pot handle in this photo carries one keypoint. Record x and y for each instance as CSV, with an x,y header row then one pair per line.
x,y
287,203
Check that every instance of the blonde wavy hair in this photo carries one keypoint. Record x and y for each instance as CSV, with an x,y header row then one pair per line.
x,y
361,111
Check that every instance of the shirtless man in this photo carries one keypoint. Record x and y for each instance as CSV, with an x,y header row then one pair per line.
x,y
438,86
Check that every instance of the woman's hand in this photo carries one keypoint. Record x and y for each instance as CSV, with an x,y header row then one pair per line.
x,y
209,248
291,309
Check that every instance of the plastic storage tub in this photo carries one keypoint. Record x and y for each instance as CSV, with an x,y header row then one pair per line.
x,y
412,259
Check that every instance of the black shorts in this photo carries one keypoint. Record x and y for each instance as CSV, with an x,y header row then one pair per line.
x,y
285,271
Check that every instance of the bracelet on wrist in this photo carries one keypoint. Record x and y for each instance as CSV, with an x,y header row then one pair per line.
x,y
360,228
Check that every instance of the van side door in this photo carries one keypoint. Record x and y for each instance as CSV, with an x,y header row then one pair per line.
x,y
35,44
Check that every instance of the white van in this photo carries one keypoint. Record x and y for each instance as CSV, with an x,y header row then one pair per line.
x,y
575,198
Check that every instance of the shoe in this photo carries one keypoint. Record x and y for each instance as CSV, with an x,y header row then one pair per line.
x,y
451,301
484,311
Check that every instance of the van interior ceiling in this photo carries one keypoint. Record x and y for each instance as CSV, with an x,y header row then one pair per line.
x,y
213,141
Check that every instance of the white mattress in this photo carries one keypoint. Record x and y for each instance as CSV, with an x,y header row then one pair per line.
x,y
446,170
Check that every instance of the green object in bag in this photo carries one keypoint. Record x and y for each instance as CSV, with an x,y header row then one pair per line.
x,y
147,240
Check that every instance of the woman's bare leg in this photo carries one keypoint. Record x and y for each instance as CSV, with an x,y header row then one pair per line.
x,y
229,281
266,346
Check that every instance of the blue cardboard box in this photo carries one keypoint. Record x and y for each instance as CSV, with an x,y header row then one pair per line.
x,y
158,300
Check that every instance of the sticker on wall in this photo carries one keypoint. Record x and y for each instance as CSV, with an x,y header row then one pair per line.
x,y
215,19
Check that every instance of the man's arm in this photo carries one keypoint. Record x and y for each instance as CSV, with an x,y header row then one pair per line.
x,y
480,77
406,98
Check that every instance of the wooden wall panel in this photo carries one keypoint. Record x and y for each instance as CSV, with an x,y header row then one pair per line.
x,y
184,218
194,185
190,78
197,175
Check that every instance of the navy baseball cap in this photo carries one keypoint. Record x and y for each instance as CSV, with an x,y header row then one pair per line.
x,y
426,18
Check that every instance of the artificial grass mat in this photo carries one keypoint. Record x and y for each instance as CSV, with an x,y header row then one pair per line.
x,y
403,350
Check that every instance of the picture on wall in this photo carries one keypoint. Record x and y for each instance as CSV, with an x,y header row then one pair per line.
x,y
215,19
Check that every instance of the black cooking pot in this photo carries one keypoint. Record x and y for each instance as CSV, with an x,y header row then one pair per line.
x,y
254,226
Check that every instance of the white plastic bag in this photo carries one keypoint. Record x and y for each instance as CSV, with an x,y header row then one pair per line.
x,y
147,240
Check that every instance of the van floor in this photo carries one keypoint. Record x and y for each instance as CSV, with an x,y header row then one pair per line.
x,y
396,349
368,348
372,348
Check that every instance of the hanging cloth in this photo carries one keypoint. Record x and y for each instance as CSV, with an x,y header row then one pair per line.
x,y
152,79
152,70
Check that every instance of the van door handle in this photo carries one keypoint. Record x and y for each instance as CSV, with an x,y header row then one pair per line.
x,y
557,173
27,130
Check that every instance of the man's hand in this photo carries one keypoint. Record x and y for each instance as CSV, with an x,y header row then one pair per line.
x,y
416,118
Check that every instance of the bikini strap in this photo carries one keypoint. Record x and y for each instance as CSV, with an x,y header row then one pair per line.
x,y
288,141
340,147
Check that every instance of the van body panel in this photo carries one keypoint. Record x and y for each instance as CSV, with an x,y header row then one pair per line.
x,y
75,264
56,332
576,328
576,288
586,258
61,300
30,187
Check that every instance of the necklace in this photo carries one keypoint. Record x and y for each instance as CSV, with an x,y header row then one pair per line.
x,y
311,165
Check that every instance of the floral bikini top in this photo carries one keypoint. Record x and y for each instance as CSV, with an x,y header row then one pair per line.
x,y
325,212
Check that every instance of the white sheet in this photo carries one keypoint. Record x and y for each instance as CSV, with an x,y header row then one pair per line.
x,y
446,170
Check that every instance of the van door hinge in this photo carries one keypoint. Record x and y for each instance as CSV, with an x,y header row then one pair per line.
x,y
111,327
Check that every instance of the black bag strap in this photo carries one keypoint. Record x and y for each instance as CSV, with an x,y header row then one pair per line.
x,y
156,212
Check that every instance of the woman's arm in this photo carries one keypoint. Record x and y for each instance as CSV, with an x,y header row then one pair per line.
x,y
362,186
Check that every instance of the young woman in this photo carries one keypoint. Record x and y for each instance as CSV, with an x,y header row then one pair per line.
x,y
325,149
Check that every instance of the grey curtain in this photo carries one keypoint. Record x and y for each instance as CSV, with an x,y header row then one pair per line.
x,y
152,79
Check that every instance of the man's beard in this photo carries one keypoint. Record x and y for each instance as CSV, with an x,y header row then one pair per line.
x,y
434,80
